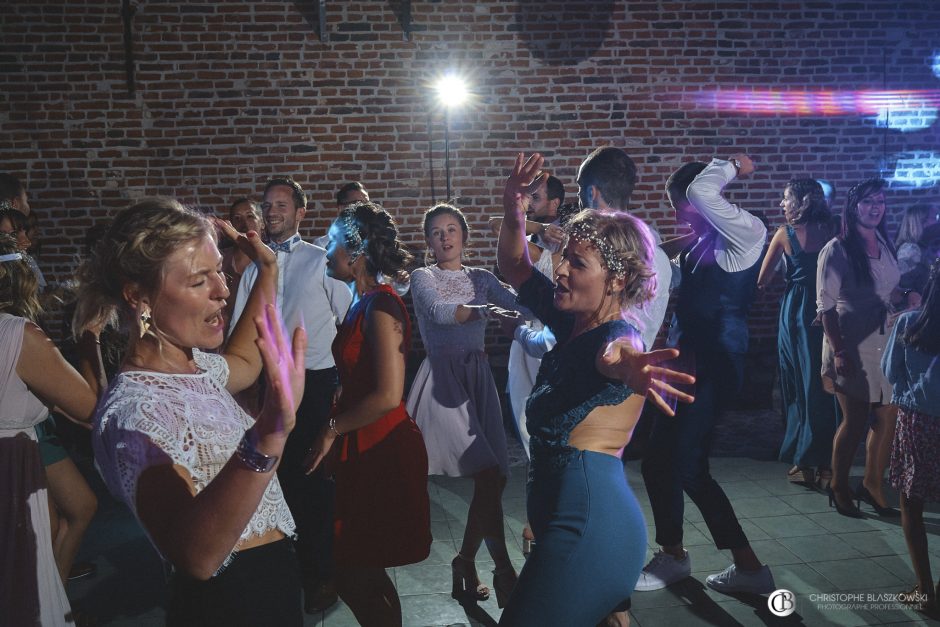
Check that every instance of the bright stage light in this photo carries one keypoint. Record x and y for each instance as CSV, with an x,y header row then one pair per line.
x,y
935,66
451,90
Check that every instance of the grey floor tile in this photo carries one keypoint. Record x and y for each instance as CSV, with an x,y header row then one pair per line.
x,y
789,526
762,506
856,574
440,531
900,567
800,579
338,616
424,610
744,489
779,486
833,521
818,548
874,543
809,503
423,579
773,553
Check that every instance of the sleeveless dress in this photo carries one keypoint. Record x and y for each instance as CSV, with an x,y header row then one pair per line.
x,y
453,397
810,411
31,591
590,529
383,513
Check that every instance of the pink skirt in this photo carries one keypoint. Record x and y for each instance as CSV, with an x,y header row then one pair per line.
x,y
915,465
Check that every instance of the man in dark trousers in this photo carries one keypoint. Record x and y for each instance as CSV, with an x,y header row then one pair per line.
x,y
719,262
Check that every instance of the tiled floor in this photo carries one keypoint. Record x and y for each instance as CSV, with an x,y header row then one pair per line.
x,y
811,549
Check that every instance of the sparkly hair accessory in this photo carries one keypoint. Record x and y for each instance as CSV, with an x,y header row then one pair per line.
x,y
11,257
355,245
587,233
6,205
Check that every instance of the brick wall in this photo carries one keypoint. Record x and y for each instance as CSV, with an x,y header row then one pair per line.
x,y
230,93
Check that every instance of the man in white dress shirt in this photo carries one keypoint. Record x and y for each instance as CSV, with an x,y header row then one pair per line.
x,y
305,296
719,262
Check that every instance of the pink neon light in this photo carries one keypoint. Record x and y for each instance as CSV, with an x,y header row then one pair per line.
x,y
825,103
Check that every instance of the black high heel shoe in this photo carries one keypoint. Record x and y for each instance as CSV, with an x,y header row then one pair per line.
x,y
851,512
466,586
863,494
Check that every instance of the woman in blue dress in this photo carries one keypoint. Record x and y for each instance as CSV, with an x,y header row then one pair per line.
x,y
810,411
587,398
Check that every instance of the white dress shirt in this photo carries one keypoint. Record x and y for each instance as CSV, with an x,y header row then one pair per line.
x,y
306,297
741,236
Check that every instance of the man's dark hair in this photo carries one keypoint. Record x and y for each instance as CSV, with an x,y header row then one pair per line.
x,y
554,188
612,172
679,181
300,199
10,186
348,189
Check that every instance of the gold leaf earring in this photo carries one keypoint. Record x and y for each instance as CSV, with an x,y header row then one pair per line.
x,y
144,324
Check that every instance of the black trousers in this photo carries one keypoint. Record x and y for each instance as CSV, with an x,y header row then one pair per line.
x,y
676,459
311,497
260,588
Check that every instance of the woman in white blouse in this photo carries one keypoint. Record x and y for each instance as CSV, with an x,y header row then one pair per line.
x,y
856,280
171,441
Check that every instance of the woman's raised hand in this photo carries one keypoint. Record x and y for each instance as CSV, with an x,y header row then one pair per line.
x,y
249,243
622,360
285,369
524,173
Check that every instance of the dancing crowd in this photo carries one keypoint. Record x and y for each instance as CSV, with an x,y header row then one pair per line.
x,y
253,412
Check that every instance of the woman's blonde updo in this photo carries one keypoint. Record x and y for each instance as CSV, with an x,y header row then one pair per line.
x,y
133,252
19,288
625,246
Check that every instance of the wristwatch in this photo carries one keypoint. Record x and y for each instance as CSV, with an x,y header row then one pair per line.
x,y
251,457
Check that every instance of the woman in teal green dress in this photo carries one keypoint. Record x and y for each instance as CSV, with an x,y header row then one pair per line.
x,y
810,411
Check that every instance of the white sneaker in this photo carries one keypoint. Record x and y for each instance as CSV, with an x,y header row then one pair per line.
x,y
733,580
663,570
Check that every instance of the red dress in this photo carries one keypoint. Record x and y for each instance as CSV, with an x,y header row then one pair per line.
x,y
382,506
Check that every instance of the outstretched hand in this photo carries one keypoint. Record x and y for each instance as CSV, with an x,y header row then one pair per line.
x,y
639,370
524,173
285,369
319,449
249,243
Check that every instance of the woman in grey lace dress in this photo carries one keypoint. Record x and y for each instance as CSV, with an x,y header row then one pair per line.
x,y
454,399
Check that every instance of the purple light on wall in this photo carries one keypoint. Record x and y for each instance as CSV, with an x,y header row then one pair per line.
x,y
818,103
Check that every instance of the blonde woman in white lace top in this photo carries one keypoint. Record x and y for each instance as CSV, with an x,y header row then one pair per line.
x,y
454,398
169,438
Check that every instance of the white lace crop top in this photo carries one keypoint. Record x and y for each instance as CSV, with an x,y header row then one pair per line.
x,y
150,419
437,293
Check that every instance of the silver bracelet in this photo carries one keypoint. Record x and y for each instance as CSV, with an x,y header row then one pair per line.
x,y
333,427
251,457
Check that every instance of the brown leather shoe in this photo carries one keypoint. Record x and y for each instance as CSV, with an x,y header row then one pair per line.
x,y
318,596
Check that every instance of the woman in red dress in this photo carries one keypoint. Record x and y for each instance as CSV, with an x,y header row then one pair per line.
x,y
379,458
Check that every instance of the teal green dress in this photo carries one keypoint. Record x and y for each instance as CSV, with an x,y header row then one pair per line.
x,y
810,411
